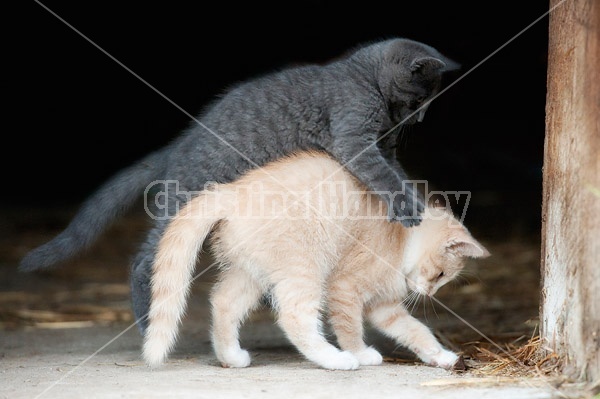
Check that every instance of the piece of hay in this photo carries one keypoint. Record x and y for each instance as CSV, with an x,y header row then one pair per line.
x,y
526,360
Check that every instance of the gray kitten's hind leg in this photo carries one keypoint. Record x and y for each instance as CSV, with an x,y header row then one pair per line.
x,y
141,276
162,203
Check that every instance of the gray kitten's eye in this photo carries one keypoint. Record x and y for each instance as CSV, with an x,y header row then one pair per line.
x,y
417,102
421,99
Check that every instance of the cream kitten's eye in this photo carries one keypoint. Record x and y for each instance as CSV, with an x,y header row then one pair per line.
x,y
440,275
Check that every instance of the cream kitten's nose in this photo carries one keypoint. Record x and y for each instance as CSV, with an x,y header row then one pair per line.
x,y
421,290
427,290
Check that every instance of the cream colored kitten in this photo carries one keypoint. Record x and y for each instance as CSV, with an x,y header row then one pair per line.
x,y
319,245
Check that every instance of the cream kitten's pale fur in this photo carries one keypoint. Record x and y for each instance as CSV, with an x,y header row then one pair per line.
x,y
326,249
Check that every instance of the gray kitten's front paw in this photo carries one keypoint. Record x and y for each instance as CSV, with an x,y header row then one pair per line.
x,y
407,209
410,221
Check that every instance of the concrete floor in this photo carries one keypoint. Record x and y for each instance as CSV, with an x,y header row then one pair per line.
x,y
104,362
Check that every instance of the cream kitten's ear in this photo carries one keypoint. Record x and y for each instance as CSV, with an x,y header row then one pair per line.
x,y
465,245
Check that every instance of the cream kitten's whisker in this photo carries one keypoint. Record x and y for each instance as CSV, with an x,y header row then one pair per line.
x,y
418,302
415,303
424,306
469,274
460,281
433,307
409,298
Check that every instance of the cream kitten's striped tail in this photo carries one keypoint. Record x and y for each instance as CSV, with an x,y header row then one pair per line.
x,y
172,272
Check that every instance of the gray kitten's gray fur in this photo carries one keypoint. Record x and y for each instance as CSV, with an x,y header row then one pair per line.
x,y
342,107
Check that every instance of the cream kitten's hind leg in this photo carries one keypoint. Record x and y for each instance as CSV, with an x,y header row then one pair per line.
x,y
396,322
299,304
234,296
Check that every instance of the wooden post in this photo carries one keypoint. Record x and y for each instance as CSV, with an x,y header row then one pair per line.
x,y
570,298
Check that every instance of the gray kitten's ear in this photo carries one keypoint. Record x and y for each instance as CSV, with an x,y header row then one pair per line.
x,y
434,64
427,63
451,65
467,246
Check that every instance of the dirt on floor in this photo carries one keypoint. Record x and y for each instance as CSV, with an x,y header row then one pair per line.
x,y
70,327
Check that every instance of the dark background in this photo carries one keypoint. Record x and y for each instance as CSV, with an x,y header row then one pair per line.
x,y
75,117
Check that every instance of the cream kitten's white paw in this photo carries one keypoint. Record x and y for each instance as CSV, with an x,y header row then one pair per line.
x,y
369,357
234,358
444,359
338,361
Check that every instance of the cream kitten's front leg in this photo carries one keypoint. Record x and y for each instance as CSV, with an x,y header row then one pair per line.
x,y
351,340
394,320
345,316
298,301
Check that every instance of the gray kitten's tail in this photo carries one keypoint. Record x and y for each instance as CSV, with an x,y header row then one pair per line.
x,y
110,201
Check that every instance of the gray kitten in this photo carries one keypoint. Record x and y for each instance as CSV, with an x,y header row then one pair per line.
x,y
346,108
